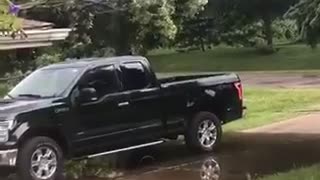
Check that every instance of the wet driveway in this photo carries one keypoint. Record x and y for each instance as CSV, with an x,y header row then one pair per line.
x,y
242,156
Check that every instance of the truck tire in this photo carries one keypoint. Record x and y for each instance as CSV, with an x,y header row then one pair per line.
x,y
40,158
204,132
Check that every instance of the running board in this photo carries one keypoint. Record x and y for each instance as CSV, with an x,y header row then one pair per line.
x,y
125,149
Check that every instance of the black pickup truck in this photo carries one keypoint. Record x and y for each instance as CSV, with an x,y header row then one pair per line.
x,y
92,107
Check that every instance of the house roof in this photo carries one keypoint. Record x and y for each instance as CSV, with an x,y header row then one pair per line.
x,y
39,34
33,24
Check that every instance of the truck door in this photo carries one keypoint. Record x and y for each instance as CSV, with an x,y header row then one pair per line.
x,y
144,100
104,120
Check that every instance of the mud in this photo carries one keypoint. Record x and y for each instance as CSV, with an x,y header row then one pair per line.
x,y
242,156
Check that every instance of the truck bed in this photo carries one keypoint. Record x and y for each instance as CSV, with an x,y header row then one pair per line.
x,y
206,79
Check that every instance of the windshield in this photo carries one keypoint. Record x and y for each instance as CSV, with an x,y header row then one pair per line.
x,y
45,83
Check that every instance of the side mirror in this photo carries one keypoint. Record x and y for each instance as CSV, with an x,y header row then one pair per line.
x,y
88,95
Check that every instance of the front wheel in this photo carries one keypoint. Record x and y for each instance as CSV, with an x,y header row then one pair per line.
x,y
40,158
204,132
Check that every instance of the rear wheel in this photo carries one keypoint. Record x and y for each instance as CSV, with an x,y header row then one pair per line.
x,y
204,132
40,158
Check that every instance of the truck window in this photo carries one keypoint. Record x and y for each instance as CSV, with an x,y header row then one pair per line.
x,y
103,79
134,76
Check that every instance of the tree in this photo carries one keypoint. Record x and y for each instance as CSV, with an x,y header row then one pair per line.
x,y
197,32
9,23
153,20
239,14
268,11
307,13
120,24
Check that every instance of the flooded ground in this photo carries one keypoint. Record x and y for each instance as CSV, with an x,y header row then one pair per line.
x,y
241,157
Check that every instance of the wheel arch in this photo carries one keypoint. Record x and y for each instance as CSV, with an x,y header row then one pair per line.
x,y
50,132
208,104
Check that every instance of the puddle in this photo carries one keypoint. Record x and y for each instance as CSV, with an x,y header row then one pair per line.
x,y
241,157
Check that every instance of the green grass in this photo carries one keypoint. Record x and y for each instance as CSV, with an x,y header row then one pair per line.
x,y
266,105
293,57
310,173
3,89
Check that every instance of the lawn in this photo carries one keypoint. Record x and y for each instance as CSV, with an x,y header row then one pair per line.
x,y
3,89
289,57
310,173
266,105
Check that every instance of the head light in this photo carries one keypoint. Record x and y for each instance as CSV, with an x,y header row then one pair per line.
x,y
5,126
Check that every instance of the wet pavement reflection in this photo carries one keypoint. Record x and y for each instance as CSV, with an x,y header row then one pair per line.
x,y
241,157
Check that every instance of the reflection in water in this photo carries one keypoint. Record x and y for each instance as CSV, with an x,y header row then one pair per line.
x,y
239,159
210,170
147,159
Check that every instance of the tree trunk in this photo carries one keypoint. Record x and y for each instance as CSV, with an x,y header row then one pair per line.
x,y
268,29
203,48
122,36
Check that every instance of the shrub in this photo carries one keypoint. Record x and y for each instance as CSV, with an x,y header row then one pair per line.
x,y
13,78
97,167
47,59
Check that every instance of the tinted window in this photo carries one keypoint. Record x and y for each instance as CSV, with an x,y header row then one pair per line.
x,y
134,76
104,80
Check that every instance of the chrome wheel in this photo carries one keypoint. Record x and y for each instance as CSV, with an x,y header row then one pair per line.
x,y
210,170
44,163
207,134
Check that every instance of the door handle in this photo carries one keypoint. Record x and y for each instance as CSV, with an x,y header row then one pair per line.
x,y
123,104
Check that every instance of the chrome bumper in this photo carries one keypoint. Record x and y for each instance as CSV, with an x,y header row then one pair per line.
x,y
8,157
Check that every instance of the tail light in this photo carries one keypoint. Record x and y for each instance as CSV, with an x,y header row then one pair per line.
x,y
238,86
